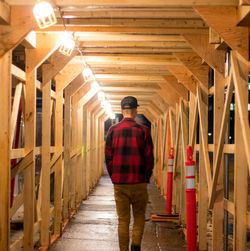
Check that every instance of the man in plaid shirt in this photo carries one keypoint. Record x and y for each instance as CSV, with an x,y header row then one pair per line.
x,y
129,160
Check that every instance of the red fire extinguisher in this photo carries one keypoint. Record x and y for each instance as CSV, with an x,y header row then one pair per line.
x,y
170,181
190,201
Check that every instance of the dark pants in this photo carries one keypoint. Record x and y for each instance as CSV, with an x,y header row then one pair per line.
x,y
137,196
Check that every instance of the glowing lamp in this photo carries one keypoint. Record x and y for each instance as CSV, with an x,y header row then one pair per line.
x,y
67,45
87,74
101,96
95,86
44,14
103,103
112,115
108,108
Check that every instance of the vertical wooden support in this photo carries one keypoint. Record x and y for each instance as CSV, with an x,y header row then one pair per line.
x,y
203,187
177,164
184,139
5,105
191,116
240,167
30,136
79,160
58,165
45,172
73,166
67,161
88,140
84,144
218,210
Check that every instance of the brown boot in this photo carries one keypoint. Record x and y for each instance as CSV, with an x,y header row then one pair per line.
x,y
135,248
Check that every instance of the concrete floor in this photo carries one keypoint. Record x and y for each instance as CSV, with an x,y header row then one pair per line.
x,y
94,227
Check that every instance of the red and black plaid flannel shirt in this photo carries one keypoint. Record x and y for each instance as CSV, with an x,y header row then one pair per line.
x,y
129,152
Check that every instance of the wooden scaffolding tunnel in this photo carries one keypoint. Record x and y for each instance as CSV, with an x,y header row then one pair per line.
x,y
163,53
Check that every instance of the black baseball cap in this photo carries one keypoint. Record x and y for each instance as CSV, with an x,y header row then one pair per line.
x,y
129,102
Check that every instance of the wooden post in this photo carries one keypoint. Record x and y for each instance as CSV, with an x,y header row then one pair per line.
x,y
67,161
30,136
218,210
58,166
84,143
5,104
79,161
203,187
45,172
73,166
184,137
240,167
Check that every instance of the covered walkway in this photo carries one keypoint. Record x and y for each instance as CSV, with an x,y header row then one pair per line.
x,y
63,73
94,227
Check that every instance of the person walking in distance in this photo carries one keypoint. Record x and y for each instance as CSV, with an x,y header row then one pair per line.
x,y
129,160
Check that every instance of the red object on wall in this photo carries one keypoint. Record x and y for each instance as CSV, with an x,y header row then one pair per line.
x,y
190,201
170,181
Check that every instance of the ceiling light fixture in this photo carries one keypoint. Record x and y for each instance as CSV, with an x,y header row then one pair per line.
x,y
87,74
101,96
44,14
67,44
95,86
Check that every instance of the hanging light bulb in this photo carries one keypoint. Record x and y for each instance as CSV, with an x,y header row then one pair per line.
x,y
44,14
101,96
95,86
103,103
67,44
87,74
108,108
112,115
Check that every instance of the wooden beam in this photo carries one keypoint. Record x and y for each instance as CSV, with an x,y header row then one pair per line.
x,y
57,62
241,160
218,210
180,89
235,36
184,76
5,103
194,64
139,3
136,22
4,13
45,172
69,73
170,90
58,186
22,22
160,102
218,155
125,37
202,107
24,163
243,14
29,41
240,76
214,37
136,30
101,12
177,42
18,201
42,52
167,98
29,173
14,114
214,58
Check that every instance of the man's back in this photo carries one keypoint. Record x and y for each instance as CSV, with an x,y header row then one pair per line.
x,y
129,152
